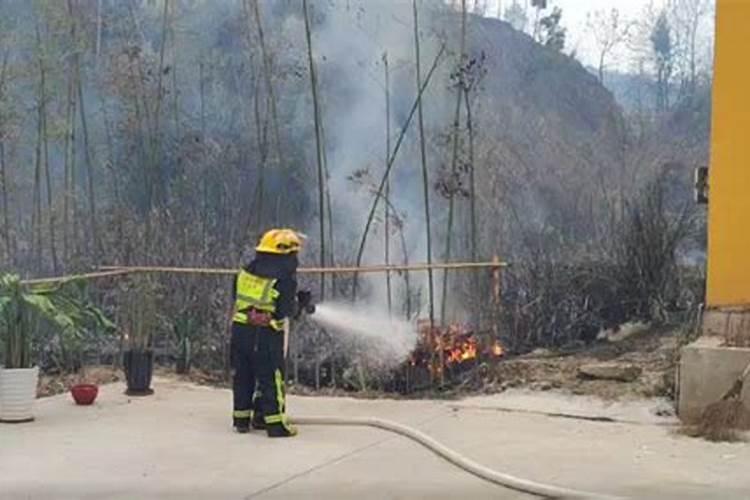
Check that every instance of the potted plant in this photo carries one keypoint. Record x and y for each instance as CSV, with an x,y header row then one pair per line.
x,y
22,309
140,322
73,345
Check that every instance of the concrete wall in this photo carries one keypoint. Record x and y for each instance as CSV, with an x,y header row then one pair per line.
x,y
729,174
732,325
707,371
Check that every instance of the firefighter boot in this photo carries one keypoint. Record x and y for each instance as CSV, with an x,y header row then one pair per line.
x,y
258,423
242,425
281,429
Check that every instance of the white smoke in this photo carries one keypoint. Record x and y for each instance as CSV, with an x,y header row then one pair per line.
x,y
349,43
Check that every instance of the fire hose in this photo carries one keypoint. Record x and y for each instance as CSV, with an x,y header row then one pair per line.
x,y
455,458
447,454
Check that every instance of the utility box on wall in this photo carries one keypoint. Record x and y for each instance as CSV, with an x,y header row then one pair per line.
x,y
701,185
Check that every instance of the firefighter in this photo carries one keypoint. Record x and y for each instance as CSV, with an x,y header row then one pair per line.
x,y
265,297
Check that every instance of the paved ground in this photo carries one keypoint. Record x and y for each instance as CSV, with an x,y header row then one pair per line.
x,y
178,444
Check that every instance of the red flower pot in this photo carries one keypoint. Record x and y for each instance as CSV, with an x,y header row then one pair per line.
x,y
84,394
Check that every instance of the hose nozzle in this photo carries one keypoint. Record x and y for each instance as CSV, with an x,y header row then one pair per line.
x,y
304,302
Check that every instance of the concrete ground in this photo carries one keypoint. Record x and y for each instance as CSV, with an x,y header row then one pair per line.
x,y
178,444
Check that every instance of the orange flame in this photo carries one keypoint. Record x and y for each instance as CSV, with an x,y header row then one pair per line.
x,y
464,351
458,343
497,349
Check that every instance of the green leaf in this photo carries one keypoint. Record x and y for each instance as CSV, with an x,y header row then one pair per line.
x,y
4,301
47,310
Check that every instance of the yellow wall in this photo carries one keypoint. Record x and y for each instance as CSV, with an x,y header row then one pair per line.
x,y
729,174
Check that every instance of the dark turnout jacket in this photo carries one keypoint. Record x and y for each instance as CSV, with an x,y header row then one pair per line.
x,y
282,268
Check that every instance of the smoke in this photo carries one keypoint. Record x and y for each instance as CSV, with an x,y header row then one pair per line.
x,y
351,39
369,332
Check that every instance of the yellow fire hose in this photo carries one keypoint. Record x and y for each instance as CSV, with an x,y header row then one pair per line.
x,y
455,458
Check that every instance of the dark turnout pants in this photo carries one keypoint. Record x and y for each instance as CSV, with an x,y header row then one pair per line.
x,y
257,354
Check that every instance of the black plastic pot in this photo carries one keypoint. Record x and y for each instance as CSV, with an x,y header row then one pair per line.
x,y
139,368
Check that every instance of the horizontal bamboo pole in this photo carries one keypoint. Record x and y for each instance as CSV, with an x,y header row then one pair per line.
x,y
59,280
318,270
109,271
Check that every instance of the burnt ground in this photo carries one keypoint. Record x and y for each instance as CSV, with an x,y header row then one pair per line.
x,y
654,352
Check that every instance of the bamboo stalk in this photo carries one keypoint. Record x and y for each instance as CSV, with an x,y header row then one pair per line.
x,y
3,173
318,144
425,187
388,182
473,202
66,174
157,139
329,209
6,209
204,187
472,178
90,183
36,218
268,74
51,213
256,215
425,171
407,285
454,165
71,195
98,46
394,154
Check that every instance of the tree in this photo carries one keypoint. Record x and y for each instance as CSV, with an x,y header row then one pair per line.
x,y
516,16
688,19
663,53
539,5
609,31
480,7
551,34
4,177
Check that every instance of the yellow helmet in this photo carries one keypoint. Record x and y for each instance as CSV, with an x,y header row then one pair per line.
x,y
280,241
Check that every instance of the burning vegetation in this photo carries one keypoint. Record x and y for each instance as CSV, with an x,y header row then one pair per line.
x,y
451,349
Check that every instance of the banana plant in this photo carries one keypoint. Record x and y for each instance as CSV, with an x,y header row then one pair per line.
x,y
23,307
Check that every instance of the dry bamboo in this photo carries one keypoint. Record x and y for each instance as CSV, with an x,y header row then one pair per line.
x,y
454,166
318,143
317,270
425,170
387,231
109,271
74,277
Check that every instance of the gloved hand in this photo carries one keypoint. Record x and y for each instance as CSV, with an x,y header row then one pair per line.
x,y
304,302
304,298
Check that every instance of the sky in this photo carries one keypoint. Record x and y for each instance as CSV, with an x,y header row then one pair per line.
x,y
574,18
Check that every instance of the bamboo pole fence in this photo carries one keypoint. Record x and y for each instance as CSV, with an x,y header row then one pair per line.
x,y
110,271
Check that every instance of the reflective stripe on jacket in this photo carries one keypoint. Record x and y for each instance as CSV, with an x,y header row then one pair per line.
x,y
253,292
